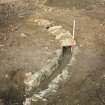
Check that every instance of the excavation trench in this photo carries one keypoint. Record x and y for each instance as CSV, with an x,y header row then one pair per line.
x,y
17,94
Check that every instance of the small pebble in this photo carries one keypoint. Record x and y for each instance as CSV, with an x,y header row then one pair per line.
x,y
6,76
1,45
23,35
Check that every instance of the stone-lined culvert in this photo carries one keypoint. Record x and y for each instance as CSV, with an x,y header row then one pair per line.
x,y
58,72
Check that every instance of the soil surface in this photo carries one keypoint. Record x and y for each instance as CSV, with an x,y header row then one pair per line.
x,y
24,46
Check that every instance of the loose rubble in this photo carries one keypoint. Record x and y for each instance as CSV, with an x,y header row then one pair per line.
x,y
63,36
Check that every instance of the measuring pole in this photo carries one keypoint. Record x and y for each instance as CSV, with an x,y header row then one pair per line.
x,y
74,29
